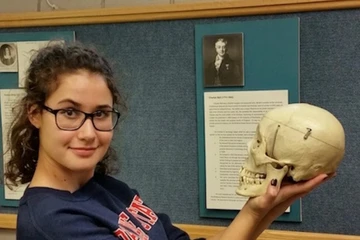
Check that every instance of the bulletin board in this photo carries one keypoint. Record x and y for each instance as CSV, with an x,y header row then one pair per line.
x,y
157,143
271,60
10,80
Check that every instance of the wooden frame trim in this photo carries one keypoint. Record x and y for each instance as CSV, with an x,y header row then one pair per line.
x,y
198,231
8,221
170,12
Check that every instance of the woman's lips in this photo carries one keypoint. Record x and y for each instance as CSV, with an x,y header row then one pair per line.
x,y
83,152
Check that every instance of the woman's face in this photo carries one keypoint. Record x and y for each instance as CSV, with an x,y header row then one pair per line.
x,y
79,150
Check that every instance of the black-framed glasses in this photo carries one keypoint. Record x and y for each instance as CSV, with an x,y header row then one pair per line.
x,y
70,119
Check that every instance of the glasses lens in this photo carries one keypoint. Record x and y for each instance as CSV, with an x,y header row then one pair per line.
x,y
69,119
105,120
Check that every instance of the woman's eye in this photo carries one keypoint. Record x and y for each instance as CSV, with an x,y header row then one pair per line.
x,y
101,114
68,112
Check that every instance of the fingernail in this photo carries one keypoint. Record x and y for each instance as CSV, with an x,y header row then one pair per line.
x,y
273,182
328,177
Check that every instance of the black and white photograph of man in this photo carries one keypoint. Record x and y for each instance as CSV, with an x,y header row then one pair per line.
x,y
223,60
8,57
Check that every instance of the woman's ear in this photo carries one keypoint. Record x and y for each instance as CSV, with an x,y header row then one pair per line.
x,y
34,115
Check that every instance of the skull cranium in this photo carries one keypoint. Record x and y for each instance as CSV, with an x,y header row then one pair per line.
x,y
297,140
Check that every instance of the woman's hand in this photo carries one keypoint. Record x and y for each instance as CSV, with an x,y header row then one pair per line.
x,y
259,212
277,199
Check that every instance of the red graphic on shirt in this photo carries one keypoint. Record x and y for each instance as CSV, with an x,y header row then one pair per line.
x,y
127,229
142,213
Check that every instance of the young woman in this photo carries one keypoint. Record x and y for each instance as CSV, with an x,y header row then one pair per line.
x,y
60,145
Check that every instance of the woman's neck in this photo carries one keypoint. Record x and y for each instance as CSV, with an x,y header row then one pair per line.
x,y
51,174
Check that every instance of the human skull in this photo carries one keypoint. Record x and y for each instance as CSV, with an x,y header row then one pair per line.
x,y
297,140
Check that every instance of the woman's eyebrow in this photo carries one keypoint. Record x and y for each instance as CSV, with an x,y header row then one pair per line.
x,y
68,100
104,106
79,105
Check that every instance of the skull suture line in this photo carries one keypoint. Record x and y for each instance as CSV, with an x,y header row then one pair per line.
x,y
297,140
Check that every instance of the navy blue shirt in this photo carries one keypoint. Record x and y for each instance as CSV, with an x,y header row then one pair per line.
x,y
103,209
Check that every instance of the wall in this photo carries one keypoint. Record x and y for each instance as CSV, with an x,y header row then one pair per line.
x,y
7,234
157,141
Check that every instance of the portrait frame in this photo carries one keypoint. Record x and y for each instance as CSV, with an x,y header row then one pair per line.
x,y
226,70
8,57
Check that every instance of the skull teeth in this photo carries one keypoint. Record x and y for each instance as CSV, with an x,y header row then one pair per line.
x,y
249,177
247,180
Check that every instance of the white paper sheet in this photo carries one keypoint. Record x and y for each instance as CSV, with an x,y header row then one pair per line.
x,y
230,123
9,97
25,51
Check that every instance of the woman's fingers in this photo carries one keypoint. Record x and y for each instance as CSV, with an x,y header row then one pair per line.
x,y
278,197
265,202
300,188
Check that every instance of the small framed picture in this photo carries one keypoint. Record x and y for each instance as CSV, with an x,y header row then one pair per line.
x,y
8,57
223,60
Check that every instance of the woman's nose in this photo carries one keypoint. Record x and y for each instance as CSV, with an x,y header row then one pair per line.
x,y
87,130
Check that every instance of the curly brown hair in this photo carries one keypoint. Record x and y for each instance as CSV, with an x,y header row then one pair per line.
x,y
41,81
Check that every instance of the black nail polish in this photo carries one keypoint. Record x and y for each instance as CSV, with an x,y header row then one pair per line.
x,y
273,182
